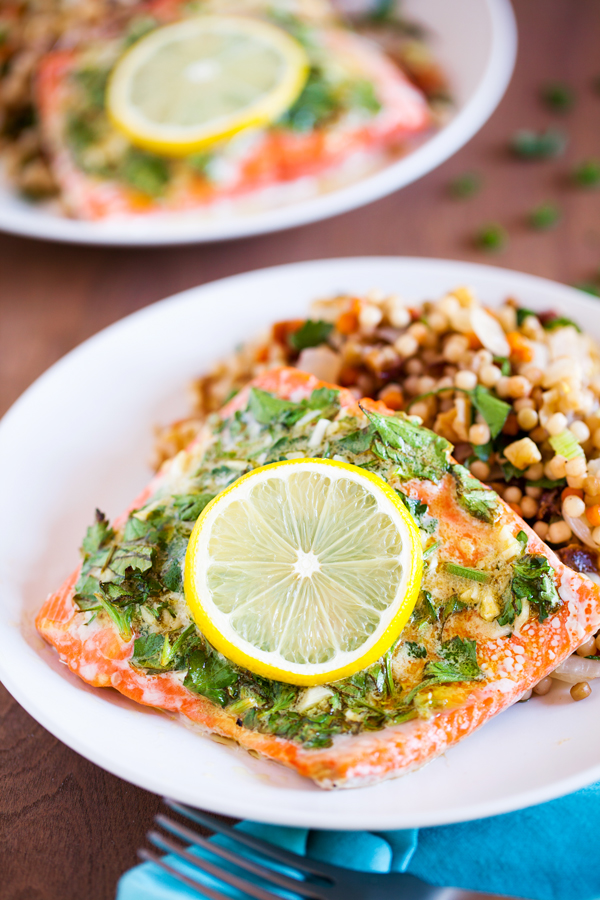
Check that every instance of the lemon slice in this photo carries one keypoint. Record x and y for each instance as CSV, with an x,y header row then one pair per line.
x,y
304,571
187,85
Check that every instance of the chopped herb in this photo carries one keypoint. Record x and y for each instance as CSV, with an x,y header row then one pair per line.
x,y
429,550
317,104
587,174
464,186
200,162
80,133
558,96
529,144
545,216
503,363
131,556
383,10
533,580
417,651
588,288
494,411
458,663
310,334
478,500
189,506
146,172
211,675
268,409
467,572
451,606
138,28
418,452
548,483
491,238
418,511
425,610
121,617
522,314
361,95
523,540
93,81
559,322
359,441
97,535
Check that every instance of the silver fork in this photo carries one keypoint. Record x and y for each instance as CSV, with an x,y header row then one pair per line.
x,y
306,878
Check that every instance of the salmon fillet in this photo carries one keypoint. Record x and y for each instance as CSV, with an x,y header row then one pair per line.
x,y
509,663
269,156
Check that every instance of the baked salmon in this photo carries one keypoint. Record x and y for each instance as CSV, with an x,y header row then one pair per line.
x,y
497,611
336,120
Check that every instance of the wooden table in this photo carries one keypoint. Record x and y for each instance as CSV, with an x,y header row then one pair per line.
x,y
67,828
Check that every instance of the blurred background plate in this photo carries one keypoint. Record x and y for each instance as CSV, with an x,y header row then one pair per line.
x,y
475,43
80,437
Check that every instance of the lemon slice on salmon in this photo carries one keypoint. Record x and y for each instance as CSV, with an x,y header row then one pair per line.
x,y
304,571
187,85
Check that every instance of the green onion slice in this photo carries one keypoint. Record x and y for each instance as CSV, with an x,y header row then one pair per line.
x,y
466,572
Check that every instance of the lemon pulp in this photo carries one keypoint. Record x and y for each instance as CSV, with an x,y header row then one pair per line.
x,y
304,571
187,85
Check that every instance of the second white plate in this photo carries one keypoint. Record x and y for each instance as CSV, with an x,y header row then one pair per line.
x,y
475,42
80,437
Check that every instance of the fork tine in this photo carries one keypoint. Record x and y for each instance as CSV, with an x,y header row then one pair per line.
x,y
304,865
186,834
202,889
205,865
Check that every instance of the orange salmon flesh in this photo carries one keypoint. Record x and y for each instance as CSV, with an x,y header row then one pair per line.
x,y
512,664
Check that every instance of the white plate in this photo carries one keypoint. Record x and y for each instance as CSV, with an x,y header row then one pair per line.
x,y
475,42
80,437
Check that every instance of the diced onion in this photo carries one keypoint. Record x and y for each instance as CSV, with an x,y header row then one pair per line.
x,y
322,362
489,331
581,530
576,669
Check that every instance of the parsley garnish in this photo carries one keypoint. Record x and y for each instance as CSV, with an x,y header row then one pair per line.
x,y
478,500
543,217
458,662
539,145
310,334
467,572
417,651
418,452
587,173
464,186
492,238
533,580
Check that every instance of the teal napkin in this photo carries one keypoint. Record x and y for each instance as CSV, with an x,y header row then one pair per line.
x,y
547,852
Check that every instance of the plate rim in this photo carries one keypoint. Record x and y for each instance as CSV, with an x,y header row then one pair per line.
x,y
237,806
431,154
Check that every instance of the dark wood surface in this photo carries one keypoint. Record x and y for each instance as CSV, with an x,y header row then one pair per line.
x,y
67,828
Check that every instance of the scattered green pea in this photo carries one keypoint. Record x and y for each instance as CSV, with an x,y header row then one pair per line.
x,y
545,216
529,144
558,96
587,173
491,237
466,185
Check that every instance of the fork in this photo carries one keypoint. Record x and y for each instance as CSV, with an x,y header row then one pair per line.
x,y
293,874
